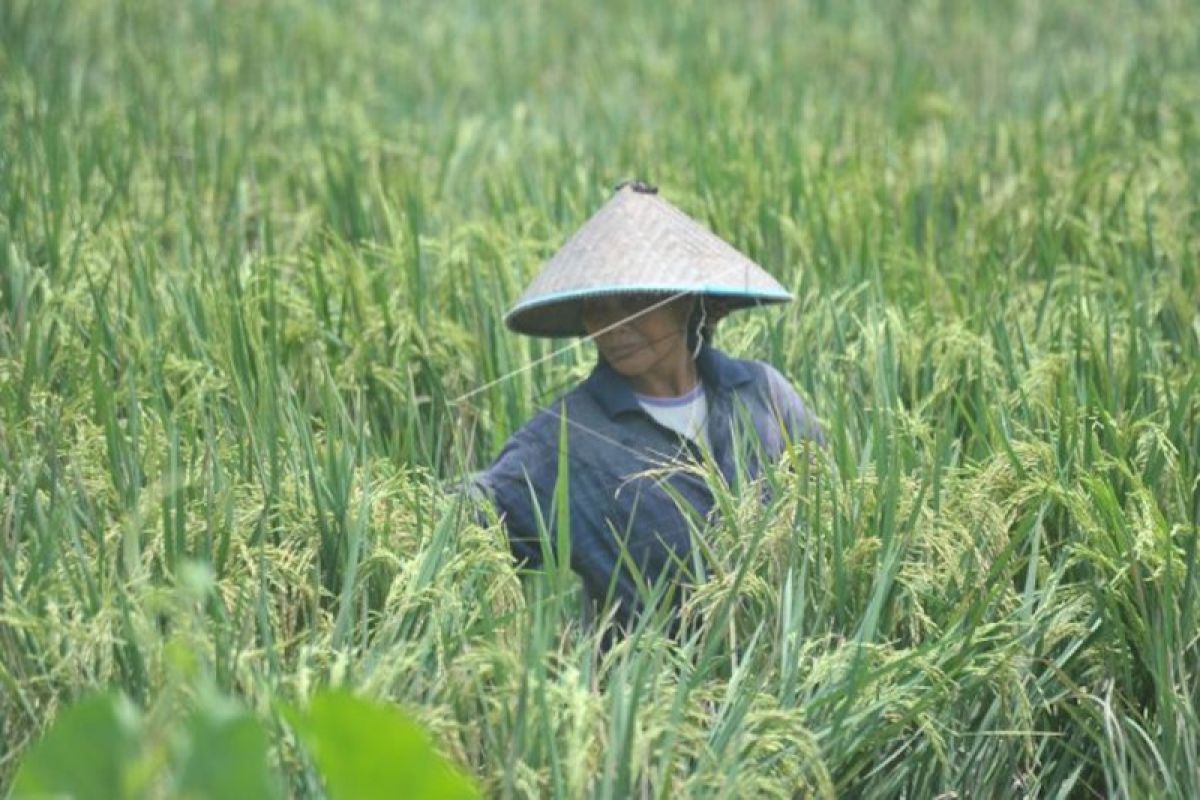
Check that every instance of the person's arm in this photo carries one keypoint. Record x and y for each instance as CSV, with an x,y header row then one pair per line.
x,y
515,486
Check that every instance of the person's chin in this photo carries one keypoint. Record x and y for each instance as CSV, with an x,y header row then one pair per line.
x,y
627,363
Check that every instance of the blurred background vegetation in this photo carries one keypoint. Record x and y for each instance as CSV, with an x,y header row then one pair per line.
x,y
250,252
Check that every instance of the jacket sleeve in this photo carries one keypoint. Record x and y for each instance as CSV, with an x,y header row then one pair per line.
x,y
799,422
520,487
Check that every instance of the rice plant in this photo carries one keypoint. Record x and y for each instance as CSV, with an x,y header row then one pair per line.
x,y
251,253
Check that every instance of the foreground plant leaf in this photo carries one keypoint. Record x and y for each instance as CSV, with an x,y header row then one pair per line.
x,y
364,750
87,753
227,757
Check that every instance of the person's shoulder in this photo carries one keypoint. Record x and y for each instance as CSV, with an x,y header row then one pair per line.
x,y
772,377
776,385
730,369
782,395
760,373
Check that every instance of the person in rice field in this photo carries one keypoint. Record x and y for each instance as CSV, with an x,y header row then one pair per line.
x,y
647,284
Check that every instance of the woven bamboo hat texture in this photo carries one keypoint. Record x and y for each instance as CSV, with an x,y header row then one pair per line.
x,y
638,242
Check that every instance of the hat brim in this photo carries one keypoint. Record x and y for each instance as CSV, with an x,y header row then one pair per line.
x,y
560,315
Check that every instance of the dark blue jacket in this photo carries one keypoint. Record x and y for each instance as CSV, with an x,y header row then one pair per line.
x,y
620,516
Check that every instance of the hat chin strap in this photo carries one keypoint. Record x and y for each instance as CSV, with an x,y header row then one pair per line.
x,y
700,329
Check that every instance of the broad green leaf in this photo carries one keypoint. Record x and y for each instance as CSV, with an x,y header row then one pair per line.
x,y
85,755
365,750
227,756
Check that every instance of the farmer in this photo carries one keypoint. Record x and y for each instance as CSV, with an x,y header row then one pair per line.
x,y
646,283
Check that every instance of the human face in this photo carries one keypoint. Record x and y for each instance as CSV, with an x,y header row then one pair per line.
x,y
637,342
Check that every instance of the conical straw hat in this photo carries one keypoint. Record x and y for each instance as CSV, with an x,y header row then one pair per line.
x,y
638,242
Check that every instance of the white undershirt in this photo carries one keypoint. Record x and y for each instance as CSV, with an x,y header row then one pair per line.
x,y
687,414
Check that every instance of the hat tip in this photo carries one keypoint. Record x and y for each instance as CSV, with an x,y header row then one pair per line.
x,y
637,185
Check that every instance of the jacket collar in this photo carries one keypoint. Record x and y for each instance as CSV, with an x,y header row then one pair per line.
x,y
614,395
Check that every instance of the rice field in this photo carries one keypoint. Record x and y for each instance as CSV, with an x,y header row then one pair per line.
x,y
252,253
